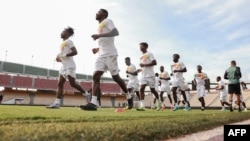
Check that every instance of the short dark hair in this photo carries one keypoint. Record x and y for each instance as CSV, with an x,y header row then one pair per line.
x,y
233,62
176,54
127,58
144,44
106,13
70,30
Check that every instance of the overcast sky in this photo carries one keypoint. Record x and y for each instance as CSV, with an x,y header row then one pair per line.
x,y
210,33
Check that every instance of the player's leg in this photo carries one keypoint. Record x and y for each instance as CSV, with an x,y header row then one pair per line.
x,y
174,91
73,84
59,93
230,93
142,95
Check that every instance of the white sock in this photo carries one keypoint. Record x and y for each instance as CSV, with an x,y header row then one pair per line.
x,y
58,101
93,100
142,103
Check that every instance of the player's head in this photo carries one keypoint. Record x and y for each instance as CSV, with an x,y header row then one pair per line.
x,y
127,60
143,46
218,78
102,14
156,74
176,57
199,68
161,68
67,32
233,63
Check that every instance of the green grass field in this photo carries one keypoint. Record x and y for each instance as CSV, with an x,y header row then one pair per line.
x,y
36,123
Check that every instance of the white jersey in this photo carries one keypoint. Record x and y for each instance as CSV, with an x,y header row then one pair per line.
x,y
163,81
200,79
223,91
65,48
147,71
178,76
132,78
106,44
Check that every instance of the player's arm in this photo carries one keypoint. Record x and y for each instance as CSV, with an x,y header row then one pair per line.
x,y
72,53
132,73
153,62
167,78
182,70
112,33
225,75
95,50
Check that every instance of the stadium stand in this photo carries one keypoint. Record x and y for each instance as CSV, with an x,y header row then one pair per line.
x,y
45,84
23,82
110,88
5,80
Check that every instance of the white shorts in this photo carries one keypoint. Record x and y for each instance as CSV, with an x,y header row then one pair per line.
x,y
108,63
201,91
165,88
179,83
223,97
133,85
65,72
149,81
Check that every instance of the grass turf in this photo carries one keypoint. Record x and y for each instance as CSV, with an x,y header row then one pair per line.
x,y
37,123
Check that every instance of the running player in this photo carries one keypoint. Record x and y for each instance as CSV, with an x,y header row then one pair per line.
x,y
107,59
68,69
165,87
147,63
133,82
177,70
223,92
200,80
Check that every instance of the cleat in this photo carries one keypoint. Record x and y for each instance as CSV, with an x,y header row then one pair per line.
x,y
223,110
53,106
176,107
186,108
245,110
140,109
158,106
130,103
89,107
127,108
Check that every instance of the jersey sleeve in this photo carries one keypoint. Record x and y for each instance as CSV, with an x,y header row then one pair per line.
x,y
110,25
70,44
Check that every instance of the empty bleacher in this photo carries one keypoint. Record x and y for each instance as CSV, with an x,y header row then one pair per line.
x,y
5,80
22,82
45,84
